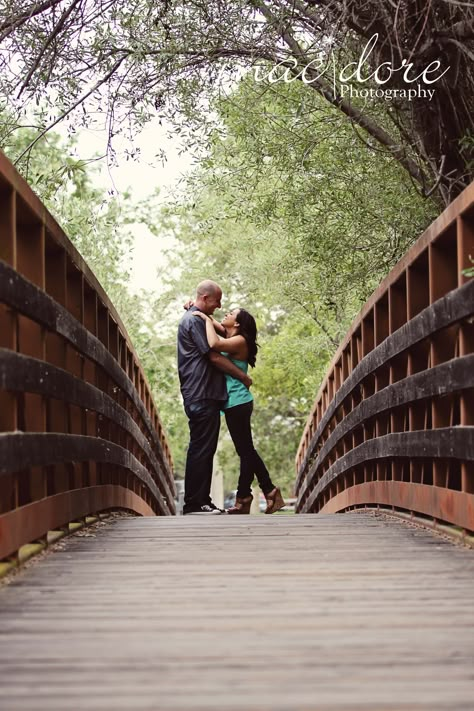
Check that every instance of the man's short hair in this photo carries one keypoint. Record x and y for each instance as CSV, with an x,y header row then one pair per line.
x,y
207,287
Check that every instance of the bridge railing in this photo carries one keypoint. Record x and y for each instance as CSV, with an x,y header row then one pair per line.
x,y
393,421
79,431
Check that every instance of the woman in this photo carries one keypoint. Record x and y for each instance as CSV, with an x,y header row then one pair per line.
x,y
240,345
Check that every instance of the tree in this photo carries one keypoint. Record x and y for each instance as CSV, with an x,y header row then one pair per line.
x,y
97,223
283,213
131,61
283,188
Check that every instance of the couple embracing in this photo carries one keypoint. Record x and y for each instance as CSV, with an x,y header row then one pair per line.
x,y
213,360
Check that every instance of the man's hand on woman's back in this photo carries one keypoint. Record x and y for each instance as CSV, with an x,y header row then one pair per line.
x,y
247,380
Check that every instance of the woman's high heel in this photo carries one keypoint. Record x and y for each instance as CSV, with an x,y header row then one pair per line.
x,y
275,501
241,506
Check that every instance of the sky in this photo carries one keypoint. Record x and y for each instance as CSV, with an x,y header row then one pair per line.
x,y
142,177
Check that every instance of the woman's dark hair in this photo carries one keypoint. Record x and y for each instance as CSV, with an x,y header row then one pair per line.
x,y
248,329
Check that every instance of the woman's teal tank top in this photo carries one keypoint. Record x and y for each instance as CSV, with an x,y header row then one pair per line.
x,y
237,393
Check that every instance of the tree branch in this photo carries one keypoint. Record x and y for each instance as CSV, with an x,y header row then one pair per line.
x,y
57,29
77,103
355,114
13,23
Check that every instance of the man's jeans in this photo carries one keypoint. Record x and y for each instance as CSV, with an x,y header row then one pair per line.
x,y
204,423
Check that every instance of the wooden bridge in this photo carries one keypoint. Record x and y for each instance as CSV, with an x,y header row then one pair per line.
x,y
357,611
262,612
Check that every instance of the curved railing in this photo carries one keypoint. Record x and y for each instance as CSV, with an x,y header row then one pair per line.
x,y
79,432
393,422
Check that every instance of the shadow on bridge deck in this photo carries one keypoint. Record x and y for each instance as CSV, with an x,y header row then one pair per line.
x,y
309,612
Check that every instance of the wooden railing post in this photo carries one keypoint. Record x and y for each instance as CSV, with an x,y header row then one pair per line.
x,y
79,432
393,422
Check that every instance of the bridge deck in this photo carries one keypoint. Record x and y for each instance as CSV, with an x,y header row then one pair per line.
x,y
261,613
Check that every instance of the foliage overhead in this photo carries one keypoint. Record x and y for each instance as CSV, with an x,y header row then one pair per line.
x,y
132,61
283,192
282,213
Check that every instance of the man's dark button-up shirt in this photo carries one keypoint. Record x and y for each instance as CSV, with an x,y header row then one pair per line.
x,y
198,378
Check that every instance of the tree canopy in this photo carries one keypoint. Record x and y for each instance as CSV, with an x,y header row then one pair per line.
x,y
304,197
281,212
131,61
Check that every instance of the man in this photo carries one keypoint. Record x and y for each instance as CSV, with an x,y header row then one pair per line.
x,y
201,375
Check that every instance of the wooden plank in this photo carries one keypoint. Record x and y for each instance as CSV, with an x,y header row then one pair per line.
x,y
453,443
443,231
454,307
337,613
23,450
33,521
32,302
453,376
31,206
22,374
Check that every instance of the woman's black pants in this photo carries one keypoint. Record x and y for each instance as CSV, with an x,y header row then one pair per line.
x,y
251,463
